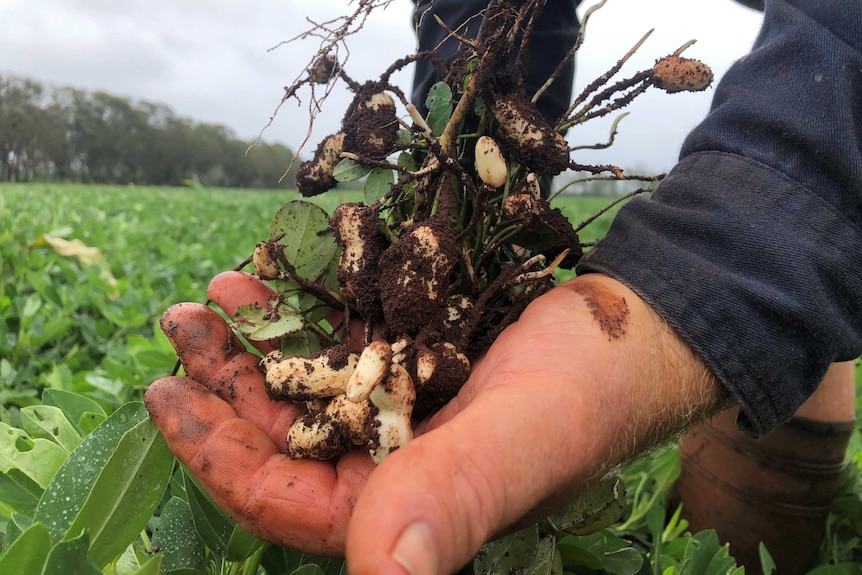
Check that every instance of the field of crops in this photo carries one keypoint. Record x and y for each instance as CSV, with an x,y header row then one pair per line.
x,y
85,480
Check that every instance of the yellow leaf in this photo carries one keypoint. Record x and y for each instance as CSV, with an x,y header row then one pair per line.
x,y
84,253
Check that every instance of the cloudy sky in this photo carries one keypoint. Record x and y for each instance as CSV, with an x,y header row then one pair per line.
x,y
210,60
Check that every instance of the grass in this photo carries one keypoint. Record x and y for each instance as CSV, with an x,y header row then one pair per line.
x,y
87,324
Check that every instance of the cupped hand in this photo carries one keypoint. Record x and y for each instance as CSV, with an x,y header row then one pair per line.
x,y
584,379
221,424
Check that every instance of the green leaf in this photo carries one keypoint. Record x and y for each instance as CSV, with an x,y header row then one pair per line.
x,y
309,569
406,160
259,323
16,526
110,485
598,508
242,544
767,563
74,405
626,561
377,184
177,539
151,567
38,459
49,422
706,556
18,492
439,104
70,558
306,239
348,170
212,524
303,343
513,554
546,558
90,421
28,553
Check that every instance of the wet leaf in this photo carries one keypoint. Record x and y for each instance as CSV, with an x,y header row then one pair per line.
x,y
177,539
49,422
377,184
110,485
260,323
348,170
439,104
305,237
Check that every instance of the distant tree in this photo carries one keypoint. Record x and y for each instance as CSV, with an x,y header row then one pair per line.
x,y
69,134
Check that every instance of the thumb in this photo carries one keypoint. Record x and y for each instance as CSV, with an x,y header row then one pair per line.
x,y
430,505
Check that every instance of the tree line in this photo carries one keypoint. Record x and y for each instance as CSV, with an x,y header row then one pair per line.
x,y
68,134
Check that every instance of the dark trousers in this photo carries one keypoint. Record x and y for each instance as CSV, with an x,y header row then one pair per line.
x,y
555,33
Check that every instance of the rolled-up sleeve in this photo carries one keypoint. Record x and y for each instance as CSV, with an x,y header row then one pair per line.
x,y
751,248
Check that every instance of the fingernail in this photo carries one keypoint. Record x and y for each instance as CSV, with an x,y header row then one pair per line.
x,y
415,550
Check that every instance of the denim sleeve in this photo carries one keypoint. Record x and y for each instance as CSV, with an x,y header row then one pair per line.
x,y
751,248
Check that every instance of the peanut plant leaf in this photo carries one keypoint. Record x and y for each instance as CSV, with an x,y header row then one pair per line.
x,y
309,569
439,104
110,485
151,567
70,557
377,184
258,323
626,561
18,493
49,422
212,524
348,170
305,237
599,507
38,459
241,545
177,540
545,562
514,554
74,406
28,553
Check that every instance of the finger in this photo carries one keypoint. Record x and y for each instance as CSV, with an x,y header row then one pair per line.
x,y
297,504
213,356
230,290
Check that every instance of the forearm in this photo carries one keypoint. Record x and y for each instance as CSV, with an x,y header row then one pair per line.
x,y
639,383
749,248
607,379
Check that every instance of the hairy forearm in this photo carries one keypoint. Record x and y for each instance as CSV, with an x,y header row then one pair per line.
x,y
637,383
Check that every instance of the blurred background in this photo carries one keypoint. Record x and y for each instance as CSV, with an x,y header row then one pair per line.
x,y
213,63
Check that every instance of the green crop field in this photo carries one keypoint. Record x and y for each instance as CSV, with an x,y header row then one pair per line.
x,y
86,481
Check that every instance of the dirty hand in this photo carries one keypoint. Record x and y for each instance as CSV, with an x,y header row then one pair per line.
x,y
586,377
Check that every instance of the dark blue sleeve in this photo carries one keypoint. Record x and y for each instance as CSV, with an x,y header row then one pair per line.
x,y
751,248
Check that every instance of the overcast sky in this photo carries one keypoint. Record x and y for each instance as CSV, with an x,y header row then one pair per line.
x,y
209,60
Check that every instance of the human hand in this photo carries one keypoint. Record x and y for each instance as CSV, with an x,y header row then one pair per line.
x,y
586,377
